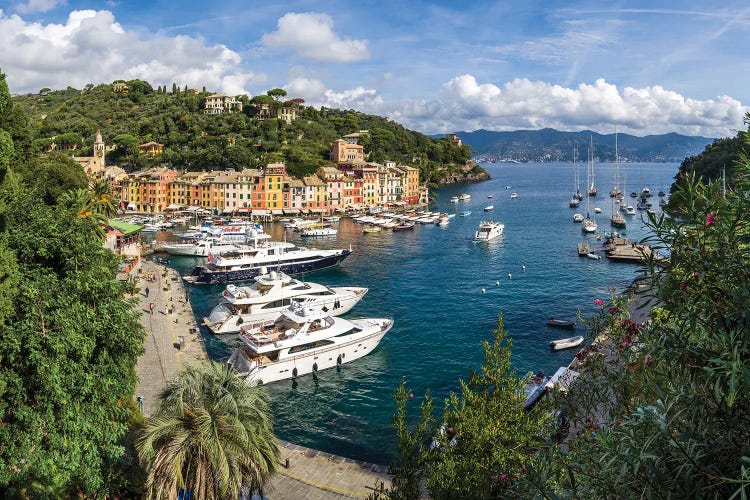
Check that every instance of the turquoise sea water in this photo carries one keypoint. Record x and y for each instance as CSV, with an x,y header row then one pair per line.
x,y
430,282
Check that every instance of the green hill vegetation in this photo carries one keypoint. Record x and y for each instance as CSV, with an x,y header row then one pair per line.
x,y
196,141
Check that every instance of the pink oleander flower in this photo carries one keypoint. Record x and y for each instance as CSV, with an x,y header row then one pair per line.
x,y
599,302
503,477
695,274
523,468
683,286
710,218
648,358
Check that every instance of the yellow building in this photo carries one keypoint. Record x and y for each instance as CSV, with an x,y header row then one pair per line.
x,y
274,178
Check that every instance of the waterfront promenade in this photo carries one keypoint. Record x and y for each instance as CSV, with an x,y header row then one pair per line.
x,y
170,320
310,474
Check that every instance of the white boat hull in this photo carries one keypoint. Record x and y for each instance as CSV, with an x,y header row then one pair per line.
x,y
317,360
338,304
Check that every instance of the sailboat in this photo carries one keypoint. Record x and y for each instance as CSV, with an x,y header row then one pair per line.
x,y
577,196
592,188
617,220
589,224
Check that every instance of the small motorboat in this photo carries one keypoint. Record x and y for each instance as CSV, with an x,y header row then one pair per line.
x,y
558,345
489,196
577,218
488,208
597,210
404,226
454,199
513,196
594,256
561,323
465,213
371,229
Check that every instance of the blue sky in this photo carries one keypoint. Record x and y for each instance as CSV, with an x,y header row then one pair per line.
x,y
643,67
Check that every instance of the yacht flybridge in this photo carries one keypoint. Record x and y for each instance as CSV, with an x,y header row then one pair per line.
x,y
302,341
270,295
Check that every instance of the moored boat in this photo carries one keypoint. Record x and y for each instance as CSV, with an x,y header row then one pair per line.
x,y
371,228
558,345
561,323
464,213
301,342
270,295
464,197
513,196
488,208
282,256
577,217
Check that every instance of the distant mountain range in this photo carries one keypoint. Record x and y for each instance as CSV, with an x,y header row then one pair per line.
x,y
552,145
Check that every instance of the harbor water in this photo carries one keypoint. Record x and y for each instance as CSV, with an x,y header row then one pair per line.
x,y
445,292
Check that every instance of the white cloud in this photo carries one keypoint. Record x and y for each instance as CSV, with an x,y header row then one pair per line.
x,y
308,88
92,47
38,6
465,104
311,36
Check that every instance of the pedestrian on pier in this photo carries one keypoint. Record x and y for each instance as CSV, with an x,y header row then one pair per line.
x,y
151,308
147,292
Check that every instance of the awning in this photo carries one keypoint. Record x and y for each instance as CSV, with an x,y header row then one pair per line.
x,y
317,210
192,209
131,206
173,206
276,212
227,211
125,228
260,212
291,211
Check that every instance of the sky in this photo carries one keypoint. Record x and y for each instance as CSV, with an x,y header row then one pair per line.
x,y
640,67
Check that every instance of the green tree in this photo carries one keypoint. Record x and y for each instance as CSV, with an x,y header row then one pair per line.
x,y
484,440
212,435
68,352
276,93
52,176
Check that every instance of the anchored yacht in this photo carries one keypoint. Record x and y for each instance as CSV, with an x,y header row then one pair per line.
x,y
489,230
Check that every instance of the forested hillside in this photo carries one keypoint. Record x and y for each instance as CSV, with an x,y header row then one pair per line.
x,y
196,141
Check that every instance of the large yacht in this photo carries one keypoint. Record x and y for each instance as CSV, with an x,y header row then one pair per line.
x,y
302,341
211,244
247,264
489,230
270,295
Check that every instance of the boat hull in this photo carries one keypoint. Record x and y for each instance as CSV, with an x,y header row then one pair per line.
x,y
204,276
317,359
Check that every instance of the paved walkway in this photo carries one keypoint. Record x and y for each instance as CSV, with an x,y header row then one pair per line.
x,y
316,475
171,319
312,474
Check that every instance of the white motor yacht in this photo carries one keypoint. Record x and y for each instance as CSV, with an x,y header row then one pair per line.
x,y
454,199
302,341
464,197
489,230
578,217
270,295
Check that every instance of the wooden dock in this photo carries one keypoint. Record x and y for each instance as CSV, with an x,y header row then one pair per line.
x,y
624,250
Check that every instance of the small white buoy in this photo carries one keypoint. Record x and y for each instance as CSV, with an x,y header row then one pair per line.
x,y
523,268
482,290
497,283
510,276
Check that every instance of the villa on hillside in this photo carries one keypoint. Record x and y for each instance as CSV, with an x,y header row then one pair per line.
x,y
152,149
217,104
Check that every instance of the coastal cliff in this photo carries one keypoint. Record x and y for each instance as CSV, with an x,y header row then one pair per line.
x,y
470,172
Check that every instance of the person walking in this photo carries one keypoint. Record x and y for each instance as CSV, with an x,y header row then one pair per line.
x,y
147,292
151,308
